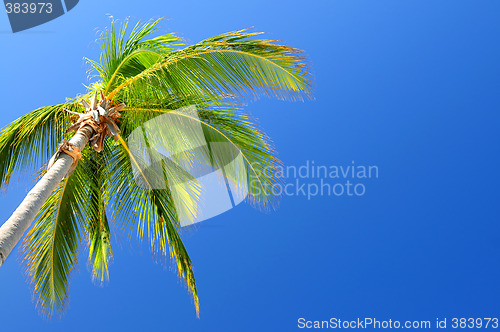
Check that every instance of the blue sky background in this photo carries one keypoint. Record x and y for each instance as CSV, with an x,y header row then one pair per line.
x,y
409,86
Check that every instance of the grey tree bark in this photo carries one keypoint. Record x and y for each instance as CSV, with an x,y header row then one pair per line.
x,y
13,229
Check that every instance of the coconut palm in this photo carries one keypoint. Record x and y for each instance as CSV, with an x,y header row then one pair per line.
x,y
90,180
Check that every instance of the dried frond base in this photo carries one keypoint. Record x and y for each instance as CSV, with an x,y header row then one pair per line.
x,y
101,118
69,149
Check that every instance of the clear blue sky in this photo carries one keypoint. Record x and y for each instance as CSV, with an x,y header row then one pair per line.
x,y
409,86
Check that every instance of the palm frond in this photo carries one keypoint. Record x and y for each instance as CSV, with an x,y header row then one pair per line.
x,y
166,232
222,123
140,206
241,135
97,226
28,142
124,54
228,64
100,251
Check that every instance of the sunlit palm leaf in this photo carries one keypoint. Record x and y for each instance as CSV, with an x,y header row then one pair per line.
x,y
229,64
127,54
151,210
96,225
28,142
227,124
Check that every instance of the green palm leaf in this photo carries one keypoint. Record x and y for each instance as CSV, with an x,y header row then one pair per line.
x,y
28,142
228,64
225,123
97,225
143,207
125,56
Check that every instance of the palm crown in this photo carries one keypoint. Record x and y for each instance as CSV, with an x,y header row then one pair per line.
x,y
151,77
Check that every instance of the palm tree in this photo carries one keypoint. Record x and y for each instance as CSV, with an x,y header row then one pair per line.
x,y
85,189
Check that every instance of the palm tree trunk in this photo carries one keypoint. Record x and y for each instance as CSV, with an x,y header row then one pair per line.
x,y
13,229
